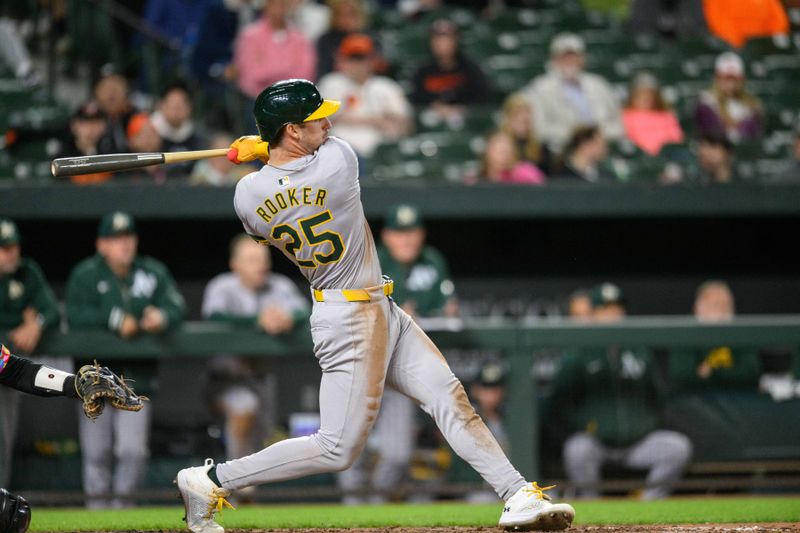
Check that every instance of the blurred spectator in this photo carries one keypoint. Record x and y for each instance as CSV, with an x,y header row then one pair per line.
x,y
450,81
579,306
649,121
347,16
27,308
517,120
720,366
374,108
176,20
583,157
792,172
670,18
728,108
218,171
422,287
312,18
14,54
714,160
119,291
567,97
172,120
736,21
609,401
252,296
271,50
111,94
87,126
216,33
501,163
143,137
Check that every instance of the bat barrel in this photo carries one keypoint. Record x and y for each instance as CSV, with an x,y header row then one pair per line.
x,y
72,166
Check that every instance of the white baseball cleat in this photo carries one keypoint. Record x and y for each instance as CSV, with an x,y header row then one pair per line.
x,y
202,498
530,509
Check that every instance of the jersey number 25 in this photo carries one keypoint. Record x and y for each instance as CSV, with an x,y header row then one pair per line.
x,y
294,243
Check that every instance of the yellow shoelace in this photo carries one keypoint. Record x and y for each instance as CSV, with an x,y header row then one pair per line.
x,y
218,502
536,490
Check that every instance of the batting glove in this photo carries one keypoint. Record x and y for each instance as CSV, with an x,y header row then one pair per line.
x,y
248,148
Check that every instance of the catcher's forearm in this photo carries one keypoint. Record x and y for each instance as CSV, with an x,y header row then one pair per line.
x,y
32,378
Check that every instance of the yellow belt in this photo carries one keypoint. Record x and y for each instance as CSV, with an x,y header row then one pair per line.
x,y
356,295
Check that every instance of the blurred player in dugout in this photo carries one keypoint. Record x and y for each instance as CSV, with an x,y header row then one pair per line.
x,y
610,403
27,308
119,291
422,287
250,296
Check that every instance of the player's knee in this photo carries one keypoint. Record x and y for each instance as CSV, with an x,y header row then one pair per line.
x,y
678,448
580,447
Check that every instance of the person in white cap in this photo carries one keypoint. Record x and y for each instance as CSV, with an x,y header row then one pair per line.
x,y
567,97
727,108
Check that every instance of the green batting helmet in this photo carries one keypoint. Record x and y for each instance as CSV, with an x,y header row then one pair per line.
x,y
289,102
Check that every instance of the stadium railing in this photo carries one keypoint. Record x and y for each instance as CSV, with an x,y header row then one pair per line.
x,y
518,340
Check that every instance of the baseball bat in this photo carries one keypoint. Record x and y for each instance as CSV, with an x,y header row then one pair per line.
x,y
71,166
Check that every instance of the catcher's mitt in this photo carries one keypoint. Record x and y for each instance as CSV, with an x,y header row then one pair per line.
x,y
95,384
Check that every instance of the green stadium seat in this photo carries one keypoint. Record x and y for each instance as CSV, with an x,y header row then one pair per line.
x,y
515,19
758,48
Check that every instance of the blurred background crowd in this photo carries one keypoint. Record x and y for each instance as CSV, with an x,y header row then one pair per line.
x,y
531,92
458,96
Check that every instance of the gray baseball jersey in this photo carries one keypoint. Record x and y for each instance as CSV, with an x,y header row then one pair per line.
x,y
226,294
311,210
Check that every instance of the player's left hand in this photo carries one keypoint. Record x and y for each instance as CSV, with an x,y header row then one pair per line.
x,y
153,319
248,148
26,336
97,384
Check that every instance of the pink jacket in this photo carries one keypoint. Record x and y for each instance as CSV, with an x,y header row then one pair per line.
x,y
523,173
650,130
264,56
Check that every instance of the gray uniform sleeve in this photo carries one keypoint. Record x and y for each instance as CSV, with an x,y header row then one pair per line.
x,y
214,298
239,207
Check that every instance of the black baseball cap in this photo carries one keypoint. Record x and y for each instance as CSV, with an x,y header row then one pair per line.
x,y
116,223
607,294
9,233
492,375
402,217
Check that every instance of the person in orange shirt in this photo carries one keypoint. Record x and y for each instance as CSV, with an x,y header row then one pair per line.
x,y
736,21
649,121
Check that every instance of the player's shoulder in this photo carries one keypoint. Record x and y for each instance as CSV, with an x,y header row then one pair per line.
x,y
433,256
222,282
339,148
29,266
150,264
89,266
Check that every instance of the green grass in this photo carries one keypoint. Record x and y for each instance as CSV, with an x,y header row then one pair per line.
x,y
679,511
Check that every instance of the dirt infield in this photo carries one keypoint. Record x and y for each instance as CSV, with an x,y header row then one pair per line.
x,y
692,528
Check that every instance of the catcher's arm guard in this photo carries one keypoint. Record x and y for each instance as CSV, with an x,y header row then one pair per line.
x,y
96,384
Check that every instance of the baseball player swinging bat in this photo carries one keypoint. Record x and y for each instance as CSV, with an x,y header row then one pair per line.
x,y
71,166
